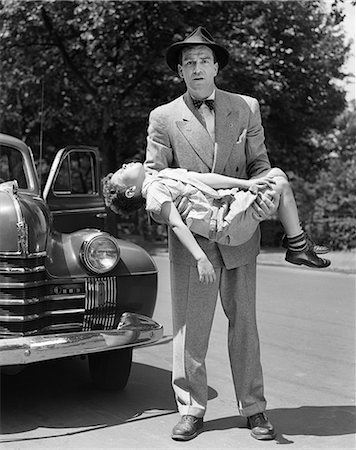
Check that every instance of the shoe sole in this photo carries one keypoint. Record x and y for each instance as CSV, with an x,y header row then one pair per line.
x,y
263,437
305,263
179,437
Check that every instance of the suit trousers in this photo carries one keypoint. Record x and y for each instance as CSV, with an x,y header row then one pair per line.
x,y
193,307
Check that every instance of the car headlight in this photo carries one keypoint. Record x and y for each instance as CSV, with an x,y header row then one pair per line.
x,y
100,254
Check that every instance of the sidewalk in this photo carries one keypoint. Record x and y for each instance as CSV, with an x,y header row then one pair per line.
x,y
341,261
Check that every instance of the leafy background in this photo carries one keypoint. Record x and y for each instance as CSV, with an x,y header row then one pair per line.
x,y
100,68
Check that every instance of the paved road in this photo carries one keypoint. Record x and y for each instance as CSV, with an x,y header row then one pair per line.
x,y
307,324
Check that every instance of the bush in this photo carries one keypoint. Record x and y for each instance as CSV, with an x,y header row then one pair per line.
x,y
327,206
337,232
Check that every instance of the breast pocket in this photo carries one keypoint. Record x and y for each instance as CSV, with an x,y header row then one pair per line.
x,y
238,156
241,139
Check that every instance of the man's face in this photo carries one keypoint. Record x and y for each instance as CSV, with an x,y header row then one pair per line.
x,y
198,70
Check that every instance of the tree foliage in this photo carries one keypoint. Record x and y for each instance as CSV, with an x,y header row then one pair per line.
x,y
102,69
328,204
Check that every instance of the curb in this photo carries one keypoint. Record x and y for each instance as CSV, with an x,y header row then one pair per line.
x,y
341,261
331,268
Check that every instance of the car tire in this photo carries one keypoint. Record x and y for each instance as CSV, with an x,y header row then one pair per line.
x,y
110,370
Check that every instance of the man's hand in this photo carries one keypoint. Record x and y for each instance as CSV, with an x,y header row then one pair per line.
x,y
260,184
206,271
265,205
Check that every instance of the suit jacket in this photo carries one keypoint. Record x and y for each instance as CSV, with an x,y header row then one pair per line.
x,y
177,138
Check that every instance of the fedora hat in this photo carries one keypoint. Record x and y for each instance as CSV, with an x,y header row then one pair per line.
x,y
200,36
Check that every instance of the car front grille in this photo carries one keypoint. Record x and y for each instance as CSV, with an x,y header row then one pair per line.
x,y
32,304
100,304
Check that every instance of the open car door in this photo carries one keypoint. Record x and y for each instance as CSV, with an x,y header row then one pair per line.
x,y
73,190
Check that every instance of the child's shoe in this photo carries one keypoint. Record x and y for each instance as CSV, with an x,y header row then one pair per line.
x,y
320,249
306,257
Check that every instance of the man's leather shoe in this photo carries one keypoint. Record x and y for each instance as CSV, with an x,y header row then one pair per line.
x,y
318,248
261,428
307,257
187,428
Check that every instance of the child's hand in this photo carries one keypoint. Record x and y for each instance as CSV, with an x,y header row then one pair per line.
x,y
206,271
260,184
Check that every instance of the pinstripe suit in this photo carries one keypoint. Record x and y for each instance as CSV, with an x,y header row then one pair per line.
x,y
177,138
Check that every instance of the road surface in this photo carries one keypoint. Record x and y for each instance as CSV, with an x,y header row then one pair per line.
x,y
307,329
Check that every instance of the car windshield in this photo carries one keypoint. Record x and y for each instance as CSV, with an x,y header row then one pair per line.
x,y
11,166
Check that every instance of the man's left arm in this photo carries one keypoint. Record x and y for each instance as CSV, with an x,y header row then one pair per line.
x,y
258,163
257,160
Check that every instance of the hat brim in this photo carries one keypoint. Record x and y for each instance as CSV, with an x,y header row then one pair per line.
x,y
173,52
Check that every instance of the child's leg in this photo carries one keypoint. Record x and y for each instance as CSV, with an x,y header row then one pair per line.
x,y
298,250
287,209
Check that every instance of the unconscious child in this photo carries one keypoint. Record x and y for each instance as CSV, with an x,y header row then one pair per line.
x,y
219,208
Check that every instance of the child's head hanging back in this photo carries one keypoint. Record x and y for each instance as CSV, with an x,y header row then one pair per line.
x,y
122,189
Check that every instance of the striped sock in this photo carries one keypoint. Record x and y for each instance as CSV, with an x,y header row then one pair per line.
x,y
297,243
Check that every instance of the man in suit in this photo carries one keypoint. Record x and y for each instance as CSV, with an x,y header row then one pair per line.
x,y
223,136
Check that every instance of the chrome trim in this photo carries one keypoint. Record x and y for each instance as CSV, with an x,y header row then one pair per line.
x,y
25,284
152,272
56,297
33,300
133,330
22,269
61,326
17,207
77,210
28,318
59,312
19,255
22,236
18,319
100,292
22,228
19,301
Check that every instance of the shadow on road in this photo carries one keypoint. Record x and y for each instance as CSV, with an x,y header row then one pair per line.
x,y
303,421
59,395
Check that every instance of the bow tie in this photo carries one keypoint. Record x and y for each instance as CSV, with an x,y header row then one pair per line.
x,y
198,103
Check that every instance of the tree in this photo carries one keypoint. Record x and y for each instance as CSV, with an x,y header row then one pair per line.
x,y
328,204
102,67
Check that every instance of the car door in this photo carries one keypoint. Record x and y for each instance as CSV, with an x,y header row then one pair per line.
x,y
73,190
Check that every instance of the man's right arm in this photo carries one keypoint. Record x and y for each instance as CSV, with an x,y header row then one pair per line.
x,y
159,153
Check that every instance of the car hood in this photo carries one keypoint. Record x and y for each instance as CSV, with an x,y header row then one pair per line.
x,y
24,222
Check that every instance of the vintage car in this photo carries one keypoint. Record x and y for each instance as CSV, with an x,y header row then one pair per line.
x,y
68,286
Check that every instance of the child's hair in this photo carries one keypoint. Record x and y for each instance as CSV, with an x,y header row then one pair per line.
x,y
115,198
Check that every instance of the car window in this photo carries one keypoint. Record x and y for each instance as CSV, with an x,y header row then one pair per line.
x,y
77,174
11,166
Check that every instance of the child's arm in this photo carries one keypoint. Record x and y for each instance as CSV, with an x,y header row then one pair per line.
x,y
170,215
217,181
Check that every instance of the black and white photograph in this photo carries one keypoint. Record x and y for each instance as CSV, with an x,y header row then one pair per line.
x,y
177,224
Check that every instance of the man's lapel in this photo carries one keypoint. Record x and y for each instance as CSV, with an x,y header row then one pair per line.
x,y
225,129
191,126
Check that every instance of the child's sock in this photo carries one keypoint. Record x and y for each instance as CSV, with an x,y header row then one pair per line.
x,y
297,243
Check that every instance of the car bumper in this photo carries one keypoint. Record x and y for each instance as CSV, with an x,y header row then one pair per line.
x,y
134,330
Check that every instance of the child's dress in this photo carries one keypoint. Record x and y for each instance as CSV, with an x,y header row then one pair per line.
x,y
224,215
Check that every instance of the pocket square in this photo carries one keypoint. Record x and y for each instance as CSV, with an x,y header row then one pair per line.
x,y
242,136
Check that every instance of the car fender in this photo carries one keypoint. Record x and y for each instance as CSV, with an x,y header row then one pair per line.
x,y
64,261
